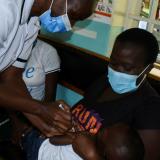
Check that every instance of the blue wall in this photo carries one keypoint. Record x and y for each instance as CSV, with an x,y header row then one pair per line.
x,y
90,35
68,95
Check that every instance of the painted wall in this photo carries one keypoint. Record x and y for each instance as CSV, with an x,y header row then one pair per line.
x,y
117,22
68,95
90,35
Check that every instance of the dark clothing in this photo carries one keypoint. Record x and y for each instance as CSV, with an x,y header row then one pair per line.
x,y
31,144
139,109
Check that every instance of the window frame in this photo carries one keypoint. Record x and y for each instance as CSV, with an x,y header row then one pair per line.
x,y
132,18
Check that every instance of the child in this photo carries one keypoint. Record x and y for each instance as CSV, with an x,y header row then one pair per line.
x,y
116,142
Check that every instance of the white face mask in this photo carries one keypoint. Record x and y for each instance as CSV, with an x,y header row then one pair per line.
x,y
55,24
122,82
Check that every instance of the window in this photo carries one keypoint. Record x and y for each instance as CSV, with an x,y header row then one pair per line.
x,y
144,14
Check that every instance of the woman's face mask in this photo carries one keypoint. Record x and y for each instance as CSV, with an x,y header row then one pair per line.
x,y
55,24
122,82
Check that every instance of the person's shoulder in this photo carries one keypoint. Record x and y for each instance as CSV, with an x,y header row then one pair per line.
x,y
153,101
148,96
47,55
147,114
46,52
46,47
147,90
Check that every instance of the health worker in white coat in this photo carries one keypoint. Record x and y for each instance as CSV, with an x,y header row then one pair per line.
x,y
17,33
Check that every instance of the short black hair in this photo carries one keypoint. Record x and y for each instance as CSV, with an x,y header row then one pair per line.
x,y
134,145
142,38
123,142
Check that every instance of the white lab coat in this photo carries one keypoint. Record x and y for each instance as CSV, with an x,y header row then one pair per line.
x,y
16,33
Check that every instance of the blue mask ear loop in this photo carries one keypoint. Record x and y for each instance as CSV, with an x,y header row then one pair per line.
x,y
144,75
51,4
66,6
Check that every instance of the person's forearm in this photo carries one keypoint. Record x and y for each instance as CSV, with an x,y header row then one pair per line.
x,y
14,94
11,99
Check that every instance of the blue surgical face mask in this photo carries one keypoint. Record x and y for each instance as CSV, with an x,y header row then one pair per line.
x,y
122,82
55,24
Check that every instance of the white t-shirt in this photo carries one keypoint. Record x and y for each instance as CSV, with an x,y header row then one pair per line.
x,y
17,34
43,60
48,151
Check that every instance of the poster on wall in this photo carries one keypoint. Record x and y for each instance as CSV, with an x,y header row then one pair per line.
x,y
103,11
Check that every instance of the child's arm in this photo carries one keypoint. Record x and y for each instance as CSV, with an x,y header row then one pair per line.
x,y
82,142
63,139
85,146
